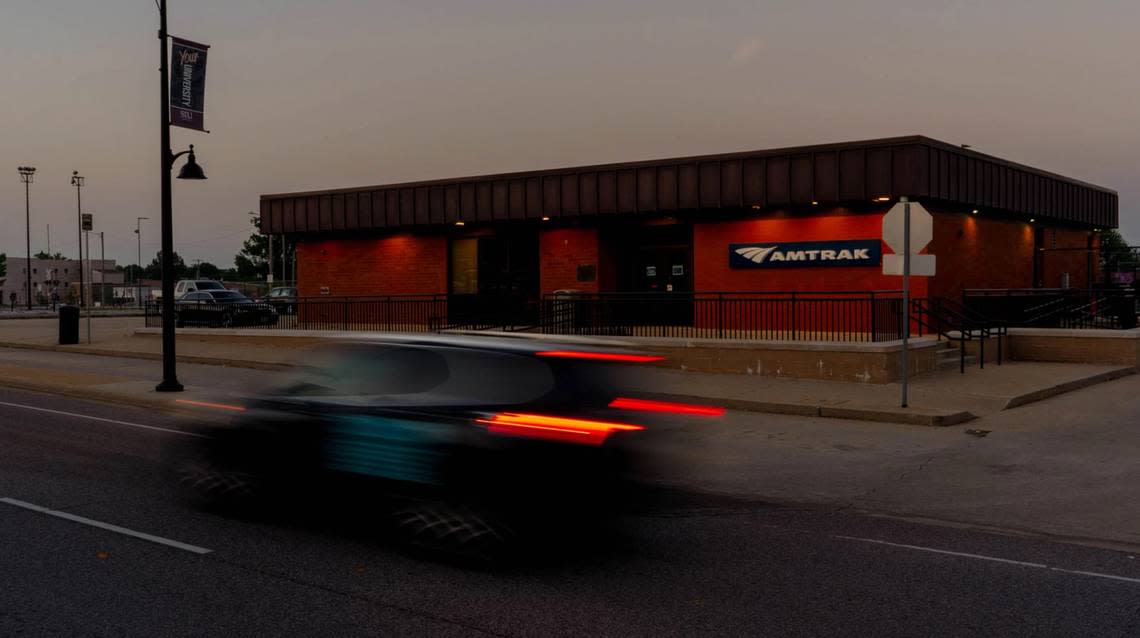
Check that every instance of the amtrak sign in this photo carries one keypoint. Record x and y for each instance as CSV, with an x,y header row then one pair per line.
x,y
806,254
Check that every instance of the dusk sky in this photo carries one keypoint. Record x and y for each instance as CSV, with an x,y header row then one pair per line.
x,y
305,95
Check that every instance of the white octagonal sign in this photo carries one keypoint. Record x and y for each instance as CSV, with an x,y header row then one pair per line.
x,y
921,227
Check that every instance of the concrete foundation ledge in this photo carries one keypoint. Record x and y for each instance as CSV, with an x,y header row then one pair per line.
x,y
1069,386
1075,333
905,416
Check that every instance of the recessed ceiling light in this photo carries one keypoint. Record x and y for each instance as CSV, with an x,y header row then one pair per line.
x,y
459,223
1031,220
545,218
757,206
814,203
883,198
975,211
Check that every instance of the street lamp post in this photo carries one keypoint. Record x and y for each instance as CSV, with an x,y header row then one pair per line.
x,y
138,270
27,175
77,181
190,170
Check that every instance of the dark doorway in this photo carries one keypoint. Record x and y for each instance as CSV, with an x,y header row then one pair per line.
x,y
494,278
654,258
655,265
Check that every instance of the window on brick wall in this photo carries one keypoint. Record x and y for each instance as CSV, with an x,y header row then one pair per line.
x,y
464,266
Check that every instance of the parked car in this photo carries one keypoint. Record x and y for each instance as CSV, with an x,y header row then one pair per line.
x,y
222,309
283,299
466,445
185,286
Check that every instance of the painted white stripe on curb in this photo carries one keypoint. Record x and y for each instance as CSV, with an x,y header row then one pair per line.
x,y
100,419
994,559
107,526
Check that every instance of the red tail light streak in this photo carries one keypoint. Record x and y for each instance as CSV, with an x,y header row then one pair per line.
x,y
643,405
553,428
600,356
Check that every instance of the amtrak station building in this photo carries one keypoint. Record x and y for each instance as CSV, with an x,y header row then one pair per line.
x,y
790,219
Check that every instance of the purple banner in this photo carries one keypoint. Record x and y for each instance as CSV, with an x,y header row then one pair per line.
x,y
188,84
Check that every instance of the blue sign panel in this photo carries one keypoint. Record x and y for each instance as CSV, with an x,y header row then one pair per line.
x,y
806,254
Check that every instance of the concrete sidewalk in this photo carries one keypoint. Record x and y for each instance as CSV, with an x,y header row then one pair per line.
x,y
939,399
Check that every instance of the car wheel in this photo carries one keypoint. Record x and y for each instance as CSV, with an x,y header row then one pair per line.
x,y
209,486
457,531
227,320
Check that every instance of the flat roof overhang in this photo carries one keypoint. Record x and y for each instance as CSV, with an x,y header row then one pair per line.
x,y
828,175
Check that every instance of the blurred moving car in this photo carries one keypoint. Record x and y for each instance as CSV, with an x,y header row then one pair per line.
x,y
464,445
283,299
186,286
222,309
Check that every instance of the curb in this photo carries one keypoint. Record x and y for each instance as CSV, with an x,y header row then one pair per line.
x,y
84,394
153,356
1068,386
879,415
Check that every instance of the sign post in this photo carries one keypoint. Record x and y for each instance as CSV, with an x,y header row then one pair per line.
x,y
88,222
906,299
907,229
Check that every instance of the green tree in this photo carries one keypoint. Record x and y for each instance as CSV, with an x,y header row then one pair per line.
x,y
131,272
206,270
154,270
3,267
253,258
1115,253
45,255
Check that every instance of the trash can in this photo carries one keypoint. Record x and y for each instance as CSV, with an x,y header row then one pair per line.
x,y
68,325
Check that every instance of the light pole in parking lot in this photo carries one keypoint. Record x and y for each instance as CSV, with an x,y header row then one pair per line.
x,y
27,174
138,270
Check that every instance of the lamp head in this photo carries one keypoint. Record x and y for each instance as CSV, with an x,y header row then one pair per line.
x,y
191,170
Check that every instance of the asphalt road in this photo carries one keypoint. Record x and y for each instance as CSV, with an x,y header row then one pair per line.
x,y
92,543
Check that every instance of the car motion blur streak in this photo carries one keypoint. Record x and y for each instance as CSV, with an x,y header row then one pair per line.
x,y
464,444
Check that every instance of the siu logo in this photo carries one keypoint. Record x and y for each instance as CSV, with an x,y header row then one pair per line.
x,y
808,254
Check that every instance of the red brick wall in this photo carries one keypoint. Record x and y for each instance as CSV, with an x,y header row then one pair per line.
x,y
1074,261
979,252
562,250
710,255
395,265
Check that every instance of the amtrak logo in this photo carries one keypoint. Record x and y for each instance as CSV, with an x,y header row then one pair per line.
x,y
756,253
860,252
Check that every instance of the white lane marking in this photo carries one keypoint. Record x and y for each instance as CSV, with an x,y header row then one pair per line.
x,y
944,551
994,559
107,526
1097,575
101,419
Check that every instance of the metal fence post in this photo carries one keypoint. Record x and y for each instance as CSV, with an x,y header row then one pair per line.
x,y
874,334
720,315
793,315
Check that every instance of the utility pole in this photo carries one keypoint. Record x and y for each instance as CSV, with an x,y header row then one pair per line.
x,y
49,240
77,181
87,249
138,270
27,176
102,271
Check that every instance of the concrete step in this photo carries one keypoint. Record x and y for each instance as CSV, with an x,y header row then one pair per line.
x,y
949,359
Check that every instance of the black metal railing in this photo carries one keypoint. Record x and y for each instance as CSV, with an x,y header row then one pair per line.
x,y
795,316
406,313
1109,308
950,320
799,316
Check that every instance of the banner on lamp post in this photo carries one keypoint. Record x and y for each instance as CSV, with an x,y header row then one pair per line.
x,y
188,84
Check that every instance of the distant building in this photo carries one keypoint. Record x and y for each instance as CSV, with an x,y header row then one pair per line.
x,y
60,276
